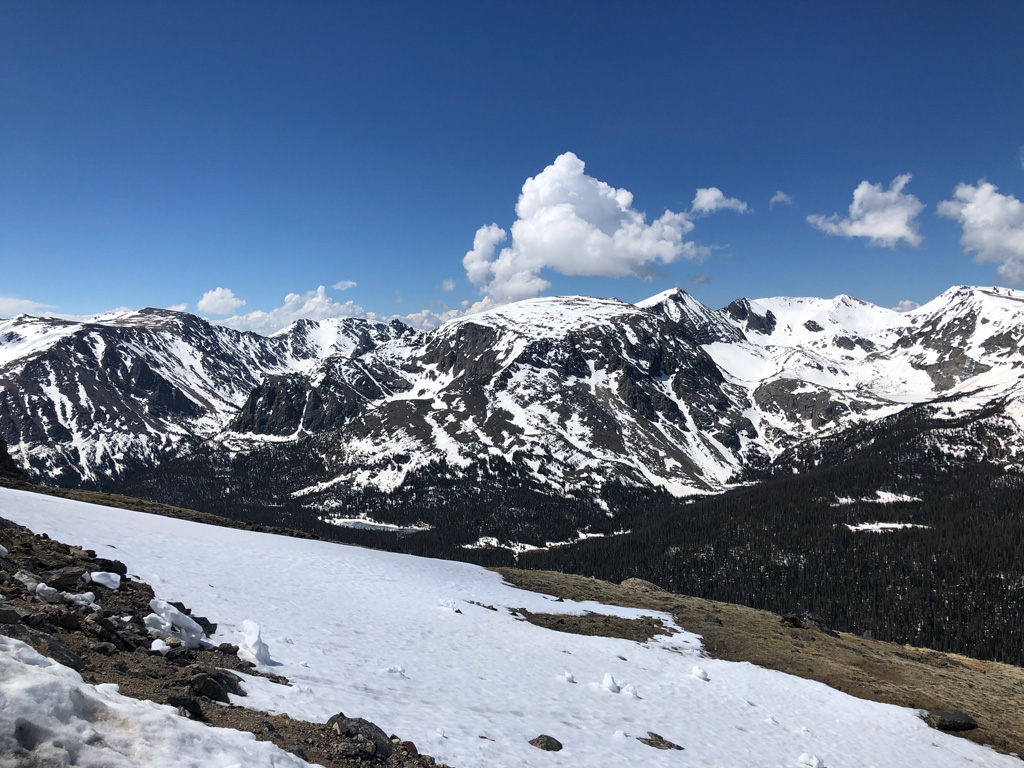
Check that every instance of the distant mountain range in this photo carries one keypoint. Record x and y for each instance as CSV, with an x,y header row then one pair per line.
x,y
569,394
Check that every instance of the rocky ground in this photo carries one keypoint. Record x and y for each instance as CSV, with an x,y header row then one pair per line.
x,y
103,636
979,700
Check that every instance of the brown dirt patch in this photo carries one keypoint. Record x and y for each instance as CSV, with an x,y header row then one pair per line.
x,y
595,624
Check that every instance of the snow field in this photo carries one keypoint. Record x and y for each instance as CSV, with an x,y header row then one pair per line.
x,y
413,645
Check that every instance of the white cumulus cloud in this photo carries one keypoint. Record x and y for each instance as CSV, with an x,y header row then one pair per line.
x,y
10,306
314,305
906,305
711,199
219,301
992,224
884,216
576,225
780,198
344,285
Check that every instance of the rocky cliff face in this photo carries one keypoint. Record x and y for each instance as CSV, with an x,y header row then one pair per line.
x,y
8,468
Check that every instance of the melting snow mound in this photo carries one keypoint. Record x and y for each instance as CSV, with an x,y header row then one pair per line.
x,y
49,717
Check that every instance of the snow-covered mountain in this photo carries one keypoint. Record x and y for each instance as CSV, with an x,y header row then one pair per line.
x,y
92,402
573,392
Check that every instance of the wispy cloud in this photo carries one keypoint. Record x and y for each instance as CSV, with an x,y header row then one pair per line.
x,y
992,225
178,307
344,285
11,306
884,216
448,285
780,198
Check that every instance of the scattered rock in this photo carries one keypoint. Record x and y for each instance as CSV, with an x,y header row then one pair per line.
x,y
106,649
640,585
187,704
951,720
547,743
208,626
211,688
356,727
110,566
216,684
658,742
64,578
806,621
9,615
65,620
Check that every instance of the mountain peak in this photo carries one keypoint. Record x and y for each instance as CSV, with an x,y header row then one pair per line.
x,y
548,316
672,294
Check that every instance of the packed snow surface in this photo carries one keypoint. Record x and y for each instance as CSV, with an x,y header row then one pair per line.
x,y
408,643
49,717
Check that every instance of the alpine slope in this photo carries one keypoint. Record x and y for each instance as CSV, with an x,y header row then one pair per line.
x,y
438,652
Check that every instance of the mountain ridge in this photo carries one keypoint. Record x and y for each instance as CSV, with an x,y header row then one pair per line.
x,y
575,391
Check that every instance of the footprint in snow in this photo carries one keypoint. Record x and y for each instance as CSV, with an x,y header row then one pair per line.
x,y
700,674
609,684
568,677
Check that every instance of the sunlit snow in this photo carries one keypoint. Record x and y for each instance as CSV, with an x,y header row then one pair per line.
x,y
338,620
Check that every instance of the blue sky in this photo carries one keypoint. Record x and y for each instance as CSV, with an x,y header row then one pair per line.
x,y
151,153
